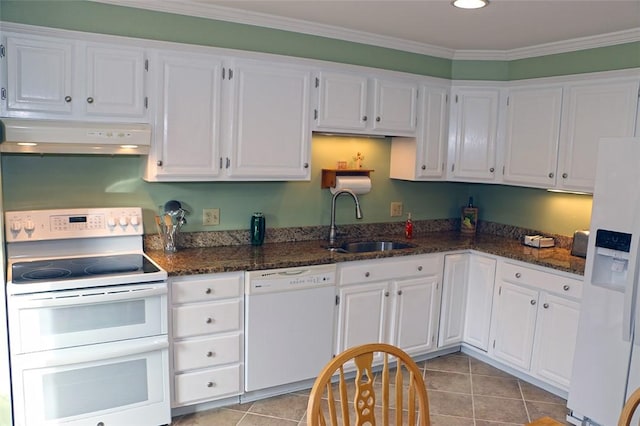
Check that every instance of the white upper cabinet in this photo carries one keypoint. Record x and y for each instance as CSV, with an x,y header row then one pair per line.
x,y
188,117
531,141
423,157
270,131
473,134
355,103
592,110
63,78
220,118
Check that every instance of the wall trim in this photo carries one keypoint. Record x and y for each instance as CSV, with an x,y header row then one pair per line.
x,y
209,11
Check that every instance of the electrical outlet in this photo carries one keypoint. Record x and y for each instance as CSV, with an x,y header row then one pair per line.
x,y
210,217
396,208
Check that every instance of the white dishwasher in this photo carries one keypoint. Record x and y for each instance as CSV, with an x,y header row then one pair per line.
x,y
289,322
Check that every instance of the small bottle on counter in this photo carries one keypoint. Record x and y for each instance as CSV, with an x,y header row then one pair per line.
x,y
408,227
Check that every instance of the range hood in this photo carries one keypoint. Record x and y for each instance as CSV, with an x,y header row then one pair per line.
x,y
74,137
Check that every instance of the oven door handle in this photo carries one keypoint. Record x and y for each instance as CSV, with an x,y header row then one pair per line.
x,y
69,356
83,297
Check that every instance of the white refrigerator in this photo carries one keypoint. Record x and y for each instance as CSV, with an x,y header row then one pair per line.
x,y
606,366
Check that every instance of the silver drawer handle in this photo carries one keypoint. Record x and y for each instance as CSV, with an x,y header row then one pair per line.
x,y
210,354
90,100
67,99
533,302
209,320
566,287
211,384
518,274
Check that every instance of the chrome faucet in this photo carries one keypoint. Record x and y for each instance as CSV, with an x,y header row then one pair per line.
x,y
332,228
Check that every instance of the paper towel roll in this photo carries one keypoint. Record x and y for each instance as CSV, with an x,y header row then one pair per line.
x,y
358,184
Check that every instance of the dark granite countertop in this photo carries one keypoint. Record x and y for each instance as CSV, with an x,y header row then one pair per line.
x,y
203,260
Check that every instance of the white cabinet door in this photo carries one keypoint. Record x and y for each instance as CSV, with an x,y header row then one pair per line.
x,y
533,129
114,81
481,277
342,101
415,314
270,134
454,296
556,330
423,157
39,75
362,316
187,137
590,112
514,324
394,108
473,137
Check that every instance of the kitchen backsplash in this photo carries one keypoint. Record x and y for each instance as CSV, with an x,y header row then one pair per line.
x,y
364,231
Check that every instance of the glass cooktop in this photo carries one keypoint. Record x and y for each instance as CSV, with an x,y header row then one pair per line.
x,y
80,267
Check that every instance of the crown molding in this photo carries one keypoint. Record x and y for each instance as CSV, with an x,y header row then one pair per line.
x,y
202,10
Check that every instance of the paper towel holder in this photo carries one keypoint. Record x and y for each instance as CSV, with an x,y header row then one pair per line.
x,y
329,175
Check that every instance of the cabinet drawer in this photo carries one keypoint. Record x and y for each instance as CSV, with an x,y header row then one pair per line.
x,y
204,288
547,281
207,318
387,269
207,385
208,352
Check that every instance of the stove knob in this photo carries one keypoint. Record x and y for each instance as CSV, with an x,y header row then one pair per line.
x,y
111,223
134,221
16,226
123,221
29,227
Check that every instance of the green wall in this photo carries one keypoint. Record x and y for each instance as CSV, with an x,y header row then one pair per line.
x,y
56,181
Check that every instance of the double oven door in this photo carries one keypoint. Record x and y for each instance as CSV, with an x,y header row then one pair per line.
x,y
91,356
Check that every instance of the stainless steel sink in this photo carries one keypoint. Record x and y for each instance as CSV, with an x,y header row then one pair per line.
x,y
370,246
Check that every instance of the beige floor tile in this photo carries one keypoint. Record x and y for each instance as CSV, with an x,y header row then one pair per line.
x,y
257,420
454,363
221,416
496,386
479,367
450,404
437,420
487,423
540,409
534,393
500,409
288,406
448,381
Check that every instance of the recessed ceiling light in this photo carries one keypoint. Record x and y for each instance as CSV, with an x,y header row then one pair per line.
x,y
470,4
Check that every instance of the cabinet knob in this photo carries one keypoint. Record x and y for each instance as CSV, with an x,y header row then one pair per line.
x,y
209,320
89,100
565,175
305,165
419,268
551,175
546,306
566,287
378,119
364,118
366,274
533,302
386,294
210,354
399,292
492,169
67,99
518,274
423,167
211,384
159,163
208,291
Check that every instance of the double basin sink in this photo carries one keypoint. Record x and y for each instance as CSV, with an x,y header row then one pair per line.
x,y
370,246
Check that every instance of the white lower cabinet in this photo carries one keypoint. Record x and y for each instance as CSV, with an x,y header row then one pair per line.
x,y
535,321
207,329
394,301
467,300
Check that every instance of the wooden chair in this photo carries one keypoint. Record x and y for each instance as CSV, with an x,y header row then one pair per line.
x,y
381,399
629,408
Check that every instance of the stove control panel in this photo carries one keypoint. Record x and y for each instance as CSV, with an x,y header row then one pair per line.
x,y
37,225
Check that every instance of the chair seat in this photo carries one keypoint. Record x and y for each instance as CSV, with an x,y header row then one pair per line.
x,y
544,421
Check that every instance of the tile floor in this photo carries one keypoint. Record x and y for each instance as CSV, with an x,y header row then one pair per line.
x,y
463,391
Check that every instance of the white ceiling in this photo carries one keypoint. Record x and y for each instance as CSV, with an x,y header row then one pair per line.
x,y
502,26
